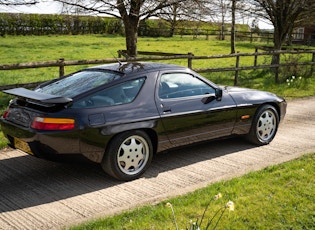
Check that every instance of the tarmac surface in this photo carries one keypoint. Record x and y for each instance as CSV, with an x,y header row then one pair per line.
x,y
38,194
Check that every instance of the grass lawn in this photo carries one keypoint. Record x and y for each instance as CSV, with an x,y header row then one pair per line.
x,y
278,197
23,49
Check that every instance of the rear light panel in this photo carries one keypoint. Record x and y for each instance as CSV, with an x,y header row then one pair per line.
x,y
6,113
47,123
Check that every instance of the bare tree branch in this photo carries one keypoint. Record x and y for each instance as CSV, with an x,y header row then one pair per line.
x,y
18,2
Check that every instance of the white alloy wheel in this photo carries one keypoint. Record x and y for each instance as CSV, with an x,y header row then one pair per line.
x,y
133,155
128,155
266,125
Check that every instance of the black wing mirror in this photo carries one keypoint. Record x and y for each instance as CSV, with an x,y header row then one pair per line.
x,y
208,99
218,94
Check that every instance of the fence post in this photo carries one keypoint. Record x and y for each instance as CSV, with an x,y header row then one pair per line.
x,y
236,70
276,60
255,58
61,67
119,53
190,55
312,65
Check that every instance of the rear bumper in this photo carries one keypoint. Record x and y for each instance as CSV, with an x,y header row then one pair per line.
x,y
42,145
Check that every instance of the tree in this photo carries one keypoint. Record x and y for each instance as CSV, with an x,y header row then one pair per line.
x,y
190,10
283,14
223,10
233,9
218,12
129,11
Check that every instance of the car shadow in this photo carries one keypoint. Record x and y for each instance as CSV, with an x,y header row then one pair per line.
x,y
26,181
191,154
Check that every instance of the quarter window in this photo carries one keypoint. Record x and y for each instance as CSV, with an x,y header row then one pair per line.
x,y
116,95
176,85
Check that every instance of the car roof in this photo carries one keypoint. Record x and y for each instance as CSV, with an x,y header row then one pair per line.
x,y
137,67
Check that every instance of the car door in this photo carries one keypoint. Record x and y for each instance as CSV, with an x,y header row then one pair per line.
x,y
186,116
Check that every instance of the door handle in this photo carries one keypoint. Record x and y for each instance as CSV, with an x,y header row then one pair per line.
x,y
166,109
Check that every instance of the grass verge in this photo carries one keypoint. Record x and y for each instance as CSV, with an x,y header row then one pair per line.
x,y
3,141
277,197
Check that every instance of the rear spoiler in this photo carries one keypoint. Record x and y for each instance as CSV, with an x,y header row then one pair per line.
x,y
37,96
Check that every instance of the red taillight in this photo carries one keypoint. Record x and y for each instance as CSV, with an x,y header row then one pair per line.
x,y
45,123
6,113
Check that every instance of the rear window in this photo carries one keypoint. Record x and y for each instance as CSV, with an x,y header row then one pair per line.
x,y
78,83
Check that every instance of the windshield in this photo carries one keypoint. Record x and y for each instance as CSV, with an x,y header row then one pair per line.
x,y
78,83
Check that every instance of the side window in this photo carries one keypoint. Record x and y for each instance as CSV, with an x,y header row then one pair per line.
x,y
176,85
116,95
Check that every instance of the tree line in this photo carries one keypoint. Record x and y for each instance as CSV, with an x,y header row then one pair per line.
x,y
43,24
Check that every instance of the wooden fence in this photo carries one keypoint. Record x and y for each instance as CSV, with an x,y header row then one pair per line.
x,y
62,63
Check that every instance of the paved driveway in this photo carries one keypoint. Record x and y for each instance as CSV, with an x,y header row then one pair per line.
x,y
37,194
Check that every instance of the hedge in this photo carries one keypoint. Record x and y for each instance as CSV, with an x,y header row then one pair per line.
x,y
46,24
53,24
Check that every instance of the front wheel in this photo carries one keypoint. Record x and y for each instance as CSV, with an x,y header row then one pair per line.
x,y
264,126
128,155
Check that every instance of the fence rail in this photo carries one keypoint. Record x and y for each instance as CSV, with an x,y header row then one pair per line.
x,y
62,63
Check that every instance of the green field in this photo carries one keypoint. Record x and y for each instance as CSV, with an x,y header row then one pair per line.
x,y
24,49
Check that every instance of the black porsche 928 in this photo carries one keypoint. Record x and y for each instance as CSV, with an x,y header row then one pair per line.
x,y
120,115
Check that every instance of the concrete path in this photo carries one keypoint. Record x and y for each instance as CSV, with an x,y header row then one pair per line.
x,y
38,194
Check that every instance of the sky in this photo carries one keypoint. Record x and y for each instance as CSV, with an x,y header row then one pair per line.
x,y
50,7
46,7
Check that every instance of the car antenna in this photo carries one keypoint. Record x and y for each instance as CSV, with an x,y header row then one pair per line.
x,y
120,64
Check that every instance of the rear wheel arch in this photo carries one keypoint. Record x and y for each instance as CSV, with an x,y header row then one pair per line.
x,y
150,132
154,138
128,154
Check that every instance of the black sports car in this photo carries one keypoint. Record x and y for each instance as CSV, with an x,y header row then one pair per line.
x,y
120,115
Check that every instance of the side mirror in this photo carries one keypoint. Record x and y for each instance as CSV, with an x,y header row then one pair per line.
x,y
208,99
218,94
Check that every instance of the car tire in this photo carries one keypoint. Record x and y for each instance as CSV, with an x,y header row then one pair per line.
x,y
264,126
128,155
